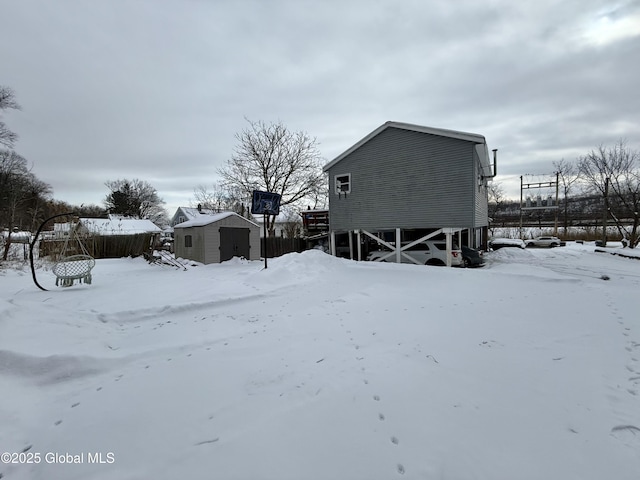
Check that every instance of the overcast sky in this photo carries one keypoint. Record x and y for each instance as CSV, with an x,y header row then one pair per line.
x,y
157,89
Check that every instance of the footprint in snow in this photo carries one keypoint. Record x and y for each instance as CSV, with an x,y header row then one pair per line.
x,y
626,432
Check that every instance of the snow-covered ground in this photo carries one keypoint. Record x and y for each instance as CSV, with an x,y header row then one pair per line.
x,y
324,368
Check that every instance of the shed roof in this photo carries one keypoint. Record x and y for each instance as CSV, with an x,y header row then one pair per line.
x,y
470,137
209,219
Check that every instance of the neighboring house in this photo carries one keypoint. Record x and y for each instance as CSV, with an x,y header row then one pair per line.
x,y
410,181
279,227
217,238
116,225
184,214
111,237
113,225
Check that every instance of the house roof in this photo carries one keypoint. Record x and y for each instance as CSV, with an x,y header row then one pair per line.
x,y
469,137
208,219
115,225
193,212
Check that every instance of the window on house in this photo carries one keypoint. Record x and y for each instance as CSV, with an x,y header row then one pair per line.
x,y
188,241
343,183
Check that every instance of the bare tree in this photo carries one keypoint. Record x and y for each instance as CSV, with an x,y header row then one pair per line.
x,y
7,100
22,196
292,225
568,176
219,198
614,173
270,157
137,199
496,201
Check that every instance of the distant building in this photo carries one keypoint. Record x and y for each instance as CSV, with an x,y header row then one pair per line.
x,y
184,214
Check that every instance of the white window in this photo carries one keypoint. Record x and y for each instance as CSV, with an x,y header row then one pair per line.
x,y
342,183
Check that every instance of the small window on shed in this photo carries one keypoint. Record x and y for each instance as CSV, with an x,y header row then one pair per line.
x,y
343,183
188,241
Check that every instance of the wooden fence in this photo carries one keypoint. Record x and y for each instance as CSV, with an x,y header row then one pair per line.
x,y
118,246
99,246
277,246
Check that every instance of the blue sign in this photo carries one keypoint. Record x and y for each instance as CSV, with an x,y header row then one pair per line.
x,y
265,203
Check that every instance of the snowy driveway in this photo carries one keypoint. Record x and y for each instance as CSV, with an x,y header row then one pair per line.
x,y
323,368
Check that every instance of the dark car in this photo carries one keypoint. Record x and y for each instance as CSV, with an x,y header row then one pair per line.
x,y
498,243
471,257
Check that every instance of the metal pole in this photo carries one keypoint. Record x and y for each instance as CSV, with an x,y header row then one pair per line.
x,y
33,243
350,245
606,212
555,225
521,207
264,224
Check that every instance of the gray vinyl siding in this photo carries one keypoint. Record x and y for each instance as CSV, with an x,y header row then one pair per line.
x,y
406,179
196,250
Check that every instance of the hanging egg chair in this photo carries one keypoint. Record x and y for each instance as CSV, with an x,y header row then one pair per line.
x,y
74,268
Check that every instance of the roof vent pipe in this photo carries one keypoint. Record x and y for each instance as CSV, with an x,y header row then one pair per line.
x,y
495,161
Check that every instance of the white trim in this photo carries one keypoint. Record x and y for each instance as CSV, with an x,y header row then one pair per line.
x,y
399,252
204,220
337,188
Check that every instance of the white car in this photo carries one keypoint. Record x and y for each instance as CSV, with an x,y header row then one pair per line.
x,y
428,252
545,242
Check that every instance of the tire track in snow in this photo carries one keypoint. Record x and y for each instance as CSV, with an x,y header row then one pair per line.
x,y
153,313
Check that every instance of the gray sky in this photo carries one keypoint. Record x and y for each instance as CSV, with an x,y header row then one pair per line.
x,y
157,89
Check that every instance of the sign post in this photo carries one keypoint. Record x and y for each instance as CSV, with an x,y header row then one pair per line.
x,y
265,203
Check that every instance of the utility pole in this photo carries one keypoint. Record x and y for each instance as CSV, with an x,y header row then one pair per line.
x,y
605,213
555,224
520,230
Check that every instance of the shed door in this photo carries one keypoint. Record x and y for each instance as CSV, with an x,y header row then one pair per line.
x,y
234,242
